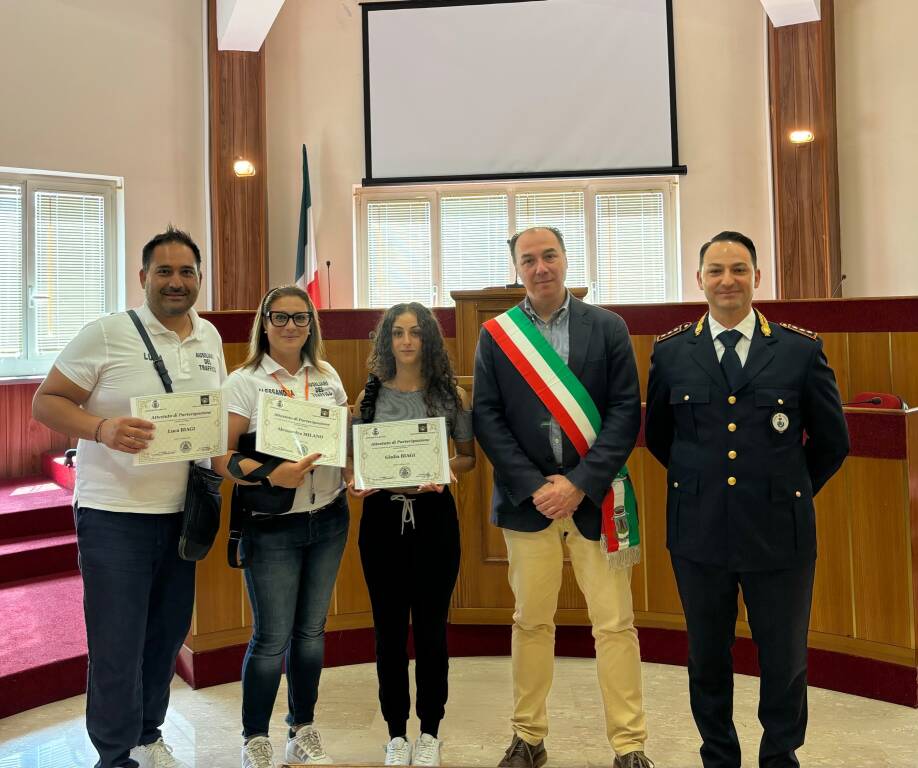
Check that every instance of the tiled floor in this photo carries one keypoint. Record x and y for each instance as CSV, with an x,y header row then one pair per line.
x,y
203,726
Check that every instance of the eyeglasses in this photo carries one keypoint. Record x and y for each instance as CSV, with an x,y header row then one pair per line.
x,y
280,319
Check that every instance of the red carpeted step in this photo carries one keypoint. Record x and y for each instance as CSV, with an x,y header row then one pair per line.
x,y
43,642
52,467
33,505
28,557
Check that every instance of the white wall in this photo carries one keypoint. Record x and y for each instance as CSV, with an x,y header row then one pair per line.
x,y
315,96
722,103
110,87
876,63
314,84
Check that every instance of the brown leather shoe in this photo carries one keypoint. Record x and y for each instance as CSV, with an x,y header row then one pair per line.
x,y
522,755
633,760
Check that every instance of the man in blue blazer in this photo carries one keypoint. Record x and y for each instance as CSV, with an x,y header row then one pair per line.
x,y
746,417
546,496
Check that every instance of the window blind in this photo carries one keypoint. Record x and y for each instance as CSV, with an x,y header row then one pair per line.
x,y
399,252
11,271
69,252
564,211
473,243
631,268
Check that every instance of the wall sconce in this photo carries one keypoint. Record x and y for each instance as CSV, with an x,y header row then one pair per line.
x,y
801,137
243,167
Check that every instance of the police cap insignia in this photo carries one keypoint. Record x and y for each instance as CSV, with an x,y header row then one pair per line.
x,y
802,331
674,332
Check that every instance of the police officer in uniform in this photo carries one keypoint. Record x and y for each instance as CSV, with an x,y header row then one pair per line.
x,y
730,398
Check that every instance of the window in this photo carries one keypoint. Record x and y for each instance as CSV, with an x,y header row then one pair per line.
x,y
419,243
58,265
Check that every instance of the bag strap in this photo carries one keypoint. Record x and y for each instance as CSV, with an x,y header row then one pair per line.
x,y
158,363
238,516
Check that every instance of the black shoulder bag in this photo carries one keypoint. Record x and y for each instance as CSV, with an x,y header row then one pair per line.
x,y
201,519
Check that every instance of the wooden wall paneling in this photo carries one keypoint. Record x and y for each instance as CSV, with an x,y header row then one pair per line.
x,y
662,593
635,466
351,596
912,448
879,544
349,357
22,439
220,599
835,346
239,233
869,363
643,348
234,354
801,59
904,378
833,595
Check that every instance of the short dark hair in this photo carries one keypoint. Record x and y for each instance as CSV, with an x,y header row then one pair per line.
x,y
554,230
171,235
729,236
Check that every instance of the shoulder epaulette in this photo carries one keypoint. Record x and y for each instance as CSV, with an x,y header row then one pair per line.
x,y
802,331
674,332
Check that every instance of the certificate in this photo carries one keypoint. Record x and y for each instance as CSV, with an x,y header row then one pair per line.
x,y
397,454
291,429
189,426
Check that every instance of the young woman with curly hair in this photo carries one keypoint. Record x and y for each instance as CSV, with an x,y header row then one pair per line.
x,y
409,537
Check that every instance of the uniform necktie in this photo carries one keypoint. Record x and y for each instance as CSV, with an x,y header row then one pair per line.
x,y
730,362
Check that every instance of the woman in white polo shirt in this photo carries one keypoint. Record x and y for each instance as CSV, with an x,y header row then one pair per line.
x,y
290,558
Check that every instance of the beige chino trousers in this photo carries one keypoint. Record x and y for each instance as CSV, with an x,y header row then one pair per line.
x,y
536,561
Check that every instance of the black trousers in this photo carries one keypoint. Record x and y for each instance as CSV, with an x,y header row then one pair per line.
x,y
137,599
778,604
410,571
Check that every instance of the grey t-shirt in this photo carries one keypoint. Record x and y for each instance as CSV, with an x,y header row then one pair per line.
x,y
393,405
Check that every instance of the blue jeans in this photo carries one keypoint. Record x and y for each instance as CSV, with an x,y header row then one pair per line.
x,y
137,599
291,562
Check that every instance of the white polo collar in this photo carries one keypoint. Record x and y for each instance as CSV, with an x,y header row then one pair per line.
x,y
156,328
270,366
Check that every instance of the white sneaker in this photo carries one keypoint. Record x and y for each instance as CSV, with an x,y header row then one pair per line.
x,y
257,752
156,755
426,750
398,752
306,747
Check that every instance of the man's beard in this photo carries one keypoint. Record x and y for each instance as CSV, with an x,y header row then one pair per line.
x,y
173,310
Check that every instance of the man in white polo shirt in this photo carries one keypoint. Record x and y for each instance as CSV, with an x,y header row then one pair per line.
x,y
138,593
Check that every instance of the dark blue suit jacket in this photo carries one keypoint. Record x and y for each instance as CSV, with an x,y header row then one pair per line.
x,y
765,520
511,422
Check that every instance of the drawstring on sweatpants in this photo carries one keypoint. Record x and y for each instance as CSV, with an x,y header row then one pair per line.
x,y
407,509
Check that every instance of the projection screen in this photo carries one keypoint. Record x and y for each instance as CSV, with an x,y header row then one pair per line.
x,y
518,88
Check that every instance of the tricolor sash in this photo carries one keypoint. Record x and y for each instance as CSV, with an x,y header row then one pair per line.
x,y
572,407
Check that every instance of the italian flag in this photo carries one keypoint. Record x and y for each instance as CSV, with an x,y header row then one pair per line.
x,y
570,404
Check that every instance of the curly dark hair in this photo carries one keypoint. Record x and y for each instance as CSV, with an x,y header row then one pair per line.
x,y
436,369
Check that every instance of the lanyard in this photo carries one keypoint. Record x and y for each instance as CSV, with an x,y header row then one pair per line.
x,y
288,392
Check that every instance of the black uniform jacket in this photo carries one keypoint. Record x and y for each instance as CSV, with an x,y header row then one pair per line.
x,y
511,423
740,477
